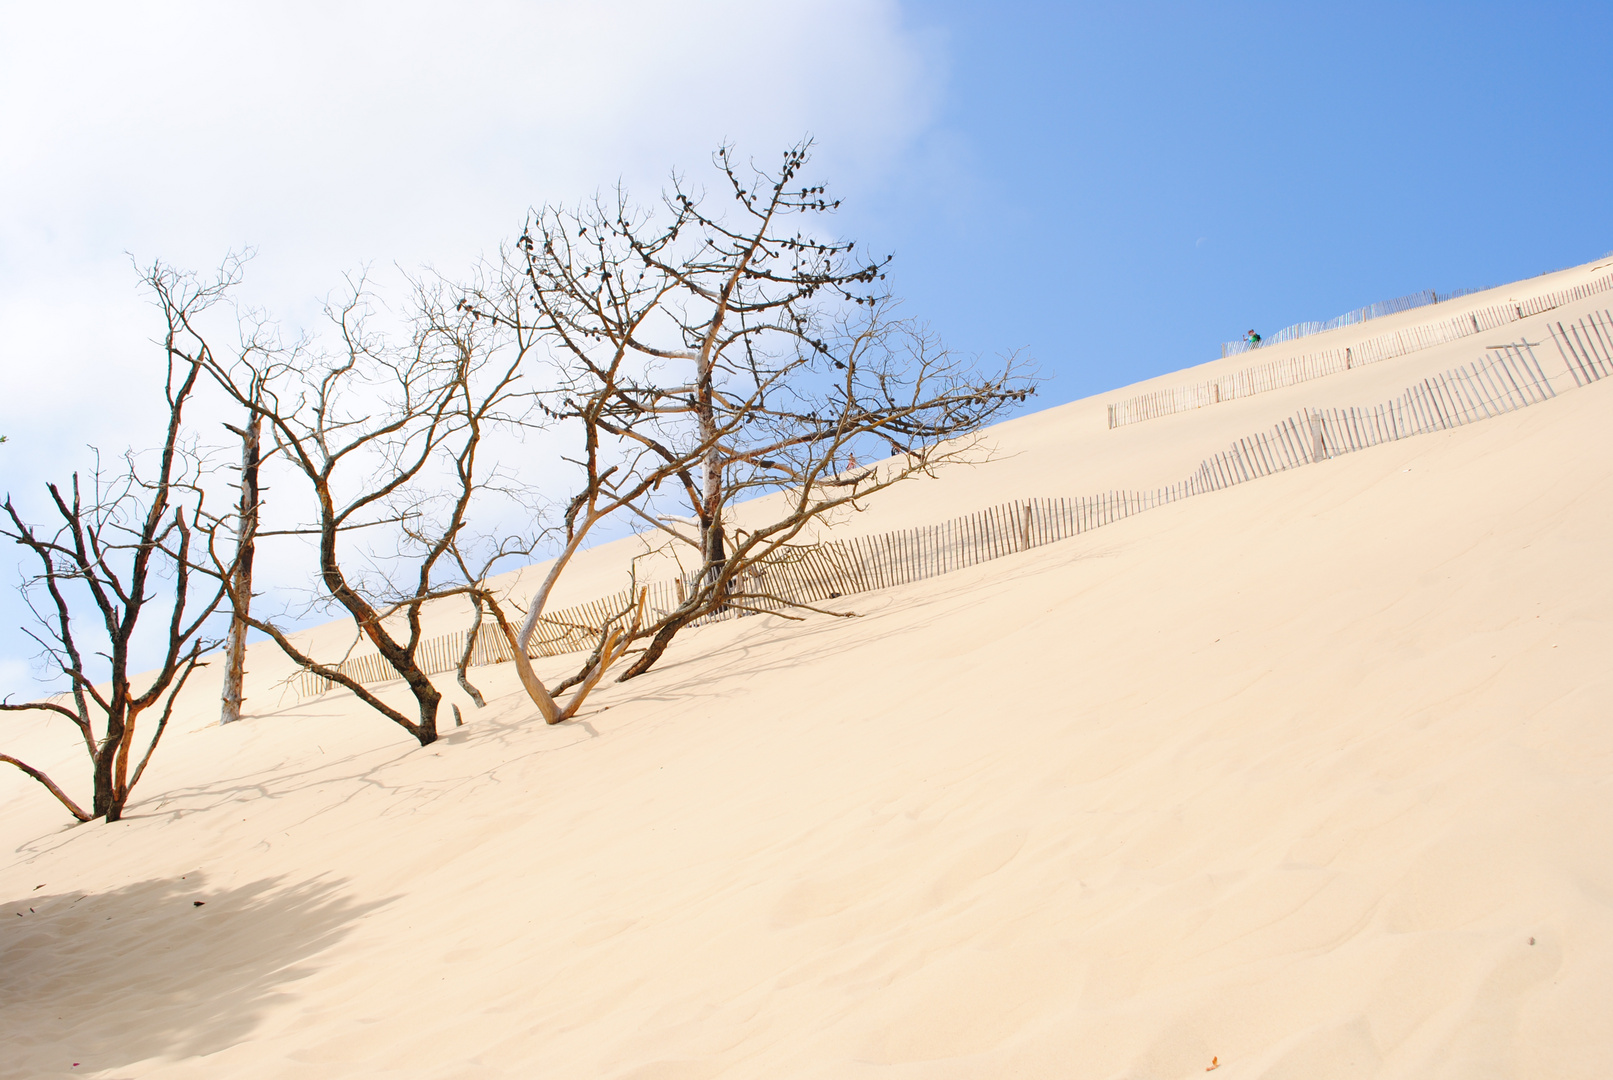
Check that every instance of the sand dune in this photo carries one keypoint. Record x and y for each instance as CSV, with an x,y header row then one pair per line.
x,y
1309,777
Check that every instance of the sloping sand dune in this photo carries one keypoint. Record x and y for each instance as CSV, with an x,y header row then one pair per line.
x,y
1312,777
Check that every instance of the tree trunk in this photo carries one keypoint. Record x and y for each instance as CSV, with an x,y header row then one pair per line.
x,y
429,699
653,651
107,803
464,663
241,580
714,551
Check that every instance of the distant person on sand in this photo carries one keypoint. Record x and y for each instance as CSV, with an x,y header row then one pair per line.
x,y
1253,339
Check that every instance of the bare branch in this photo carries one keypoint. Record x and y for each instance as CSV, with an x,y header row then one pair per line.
x,y
50,785
704,358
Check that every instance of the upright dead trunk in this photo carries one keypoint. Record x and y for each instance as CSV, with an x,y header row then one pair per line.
x,y
240,585
714,551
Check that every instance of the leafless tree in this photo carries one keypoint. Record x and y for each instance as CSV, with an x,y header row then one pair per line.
x,y
239,583
495,299
387,440
120,556
720,354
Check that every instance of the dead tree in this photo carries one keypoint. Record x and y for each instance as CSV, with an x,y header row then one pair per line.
x,y
720,354
239,583
119,556
498,298
387,440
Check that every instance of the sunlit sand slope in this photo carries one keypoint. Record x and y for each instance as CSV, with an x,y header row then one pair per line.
x,y
1311,778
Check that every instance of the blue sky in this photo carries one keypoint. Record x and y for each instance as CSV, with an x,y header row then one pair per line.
x,y
1114,188
1121,187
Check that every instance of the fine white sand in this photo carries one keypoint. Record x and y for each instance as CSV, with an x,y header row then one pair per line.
x,y
1312,777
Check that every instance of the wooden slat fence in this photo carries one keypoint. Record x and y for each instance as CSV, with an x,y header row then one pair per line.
x,y
1288,372
1349,318
1586,347
1508,379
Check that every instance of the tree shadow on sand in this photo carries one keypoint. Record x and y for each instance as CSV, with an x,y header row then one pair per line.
x,y
694,670
107,980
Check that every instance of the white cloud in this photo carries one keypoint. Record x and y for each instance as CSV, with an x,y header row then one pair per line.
x,y
333,135
359,131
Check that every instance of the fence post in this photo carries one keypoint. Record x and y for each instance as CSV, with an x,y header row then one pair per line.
x,y
1025,530
1318,443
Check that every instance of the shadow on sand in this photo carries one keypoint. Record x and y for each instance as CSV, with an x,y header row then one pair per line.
x,y
107,980
694,670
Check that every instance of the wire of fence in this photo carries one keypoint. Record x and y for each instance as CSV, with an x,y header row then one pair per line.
x,y
1510,378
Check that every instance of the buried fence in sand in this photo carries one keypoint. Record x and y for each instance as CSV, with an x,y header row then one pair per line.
x,y
1509,379
1297,369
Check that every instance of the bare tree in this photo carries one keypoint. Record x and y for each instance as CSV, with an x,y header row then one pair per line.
x,y
723,354
496,299
121,555
386,439
239,583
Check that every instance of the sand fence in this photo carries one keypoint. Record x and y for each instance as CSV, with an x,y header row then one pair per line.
x,y
1378,310
1509,378
1277,374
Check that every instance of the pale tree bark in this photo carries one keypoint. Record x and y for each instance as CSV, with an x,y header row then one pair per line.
x,y
484,602
240,582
